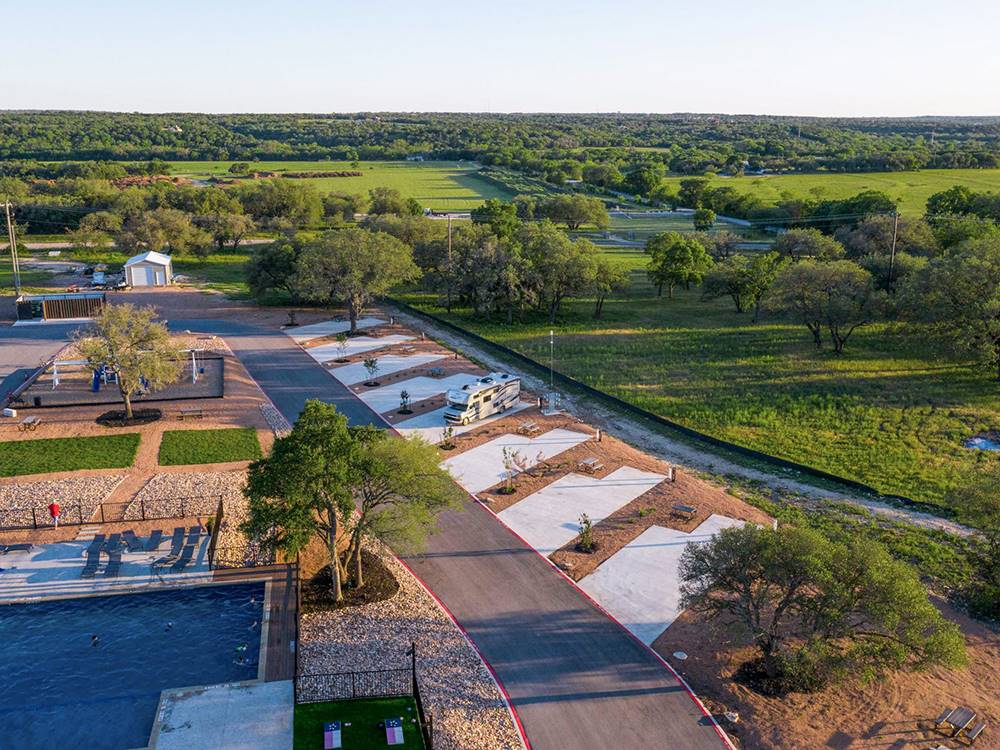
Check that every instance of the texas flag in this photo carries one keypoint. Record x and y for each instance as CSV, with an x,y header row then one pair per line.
x,y
331,735
394,731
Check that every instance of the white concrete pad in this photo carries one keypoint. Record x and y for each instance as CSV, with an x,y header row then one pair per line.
x,y
231,716
551,517
386,398
355,345
482,466
329,328
387,364
640,585
429,425
51,571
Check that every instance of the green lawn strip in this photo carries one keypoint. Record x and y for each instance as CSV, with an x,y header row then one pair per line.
x,y
19,457
209,446
885,413
364,717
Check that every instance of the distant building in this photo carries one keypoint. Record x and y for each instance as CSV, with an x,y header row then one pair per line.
x,y
415,157
149,269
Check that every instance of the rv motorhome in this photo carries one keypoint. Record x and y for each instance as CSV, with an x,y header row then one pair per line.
x,y
492,394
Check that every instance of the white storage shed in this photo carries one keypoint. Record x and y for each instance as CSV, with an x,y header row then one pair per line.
x,y
149,269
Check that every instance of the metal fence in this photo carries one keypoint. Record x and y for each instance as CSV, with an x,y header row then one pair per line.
x,y
77,513
37,517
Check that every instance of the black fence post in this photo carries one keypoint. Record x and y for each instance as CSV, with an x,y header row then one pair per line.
x,y
34,521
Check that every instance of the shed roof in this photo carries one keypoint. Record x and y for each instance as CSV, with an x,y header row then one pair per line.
x,y
153,257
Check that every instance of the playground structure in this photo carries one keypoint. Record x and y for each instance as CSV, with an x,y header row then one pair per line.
x,y
74,382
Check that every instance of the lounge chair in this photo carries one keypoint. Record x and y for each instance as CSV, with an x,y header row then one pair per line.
x,y
114,564
177,541
131,541
154,540
188,553
6,549
93,557
394,731
331,736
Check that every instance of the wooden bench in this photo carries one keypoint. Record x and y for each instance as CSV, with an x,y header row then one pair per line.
x,y
590,465
191,412
973,734
408,349
528,428
685,511
29,424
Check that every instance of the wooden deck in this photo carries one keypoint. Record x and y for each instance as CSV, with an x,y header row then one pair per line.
x,y
282,615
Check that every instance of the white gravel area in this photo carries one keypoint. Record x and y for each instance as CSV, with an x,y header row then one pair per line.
x,y
458,691
17,500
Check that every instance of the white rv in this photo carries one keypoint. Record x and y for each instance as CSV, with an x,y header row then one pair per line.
x,y
492,394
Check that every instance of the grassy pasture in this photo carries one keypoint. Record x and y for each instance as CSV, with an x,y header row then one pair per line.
x,y
19,457
439,185
911,189
882,413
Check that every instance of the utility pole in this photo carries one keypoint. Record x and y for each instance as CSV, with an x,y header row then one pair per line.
x,y
552,357
449,261
892,251
13,250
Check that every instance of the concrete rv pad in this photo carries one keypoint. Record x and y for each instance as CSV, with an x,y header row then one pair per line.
x,y
429,425
482,466
312,331
550,517
387,364
356,345
639,584
386,398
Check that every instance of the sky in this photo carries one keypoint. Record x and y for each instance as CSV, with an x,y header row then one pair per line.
x,y
846,58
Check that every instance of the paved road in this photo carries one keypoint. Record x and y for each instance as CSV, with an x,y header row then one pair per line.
x,y
576,679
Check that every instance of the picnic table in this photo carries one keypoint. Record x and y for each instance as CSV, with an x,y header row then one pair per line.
x,y
528,428
29,424
957,720
590,465
687,511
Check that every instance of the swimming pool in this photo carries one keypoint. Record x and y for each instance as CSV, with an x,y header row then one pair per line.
x,y
58,689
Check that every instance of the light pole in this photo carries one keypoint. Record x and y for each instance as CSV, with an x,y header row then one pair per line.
x,y
552,356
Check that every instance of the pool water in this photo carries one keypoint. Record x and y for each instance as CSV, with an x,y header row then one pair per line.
x,y
59,690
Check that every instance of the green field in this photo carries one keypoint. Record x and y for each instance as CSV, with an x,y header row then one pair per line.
x,y
881,413
208,446
438,185
364,717
911,189
19,457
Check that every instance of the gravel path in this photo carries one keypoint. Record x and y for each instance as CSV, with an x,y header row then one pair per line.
x,y
468,709
676,451
17,500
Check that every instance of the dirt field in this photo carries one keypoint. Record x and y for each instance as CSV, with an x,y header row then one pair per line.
x,y
888,715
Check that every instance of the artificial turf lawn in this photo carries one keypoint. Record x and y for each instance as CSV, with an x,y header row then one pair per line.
x,y
364,716
888,412
209,446
67,454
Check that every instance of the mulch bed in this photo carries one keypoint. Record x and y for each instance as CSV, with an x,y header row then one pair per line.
x,y
117,418
380,584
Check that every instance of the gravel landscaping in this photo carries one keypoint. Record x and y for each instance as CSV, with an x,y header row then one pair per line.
x,y
468,709
186,494
17,500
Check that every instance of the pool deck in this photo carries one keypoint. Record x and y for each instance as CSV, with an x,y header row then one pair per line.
x,y
53,571
225,717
